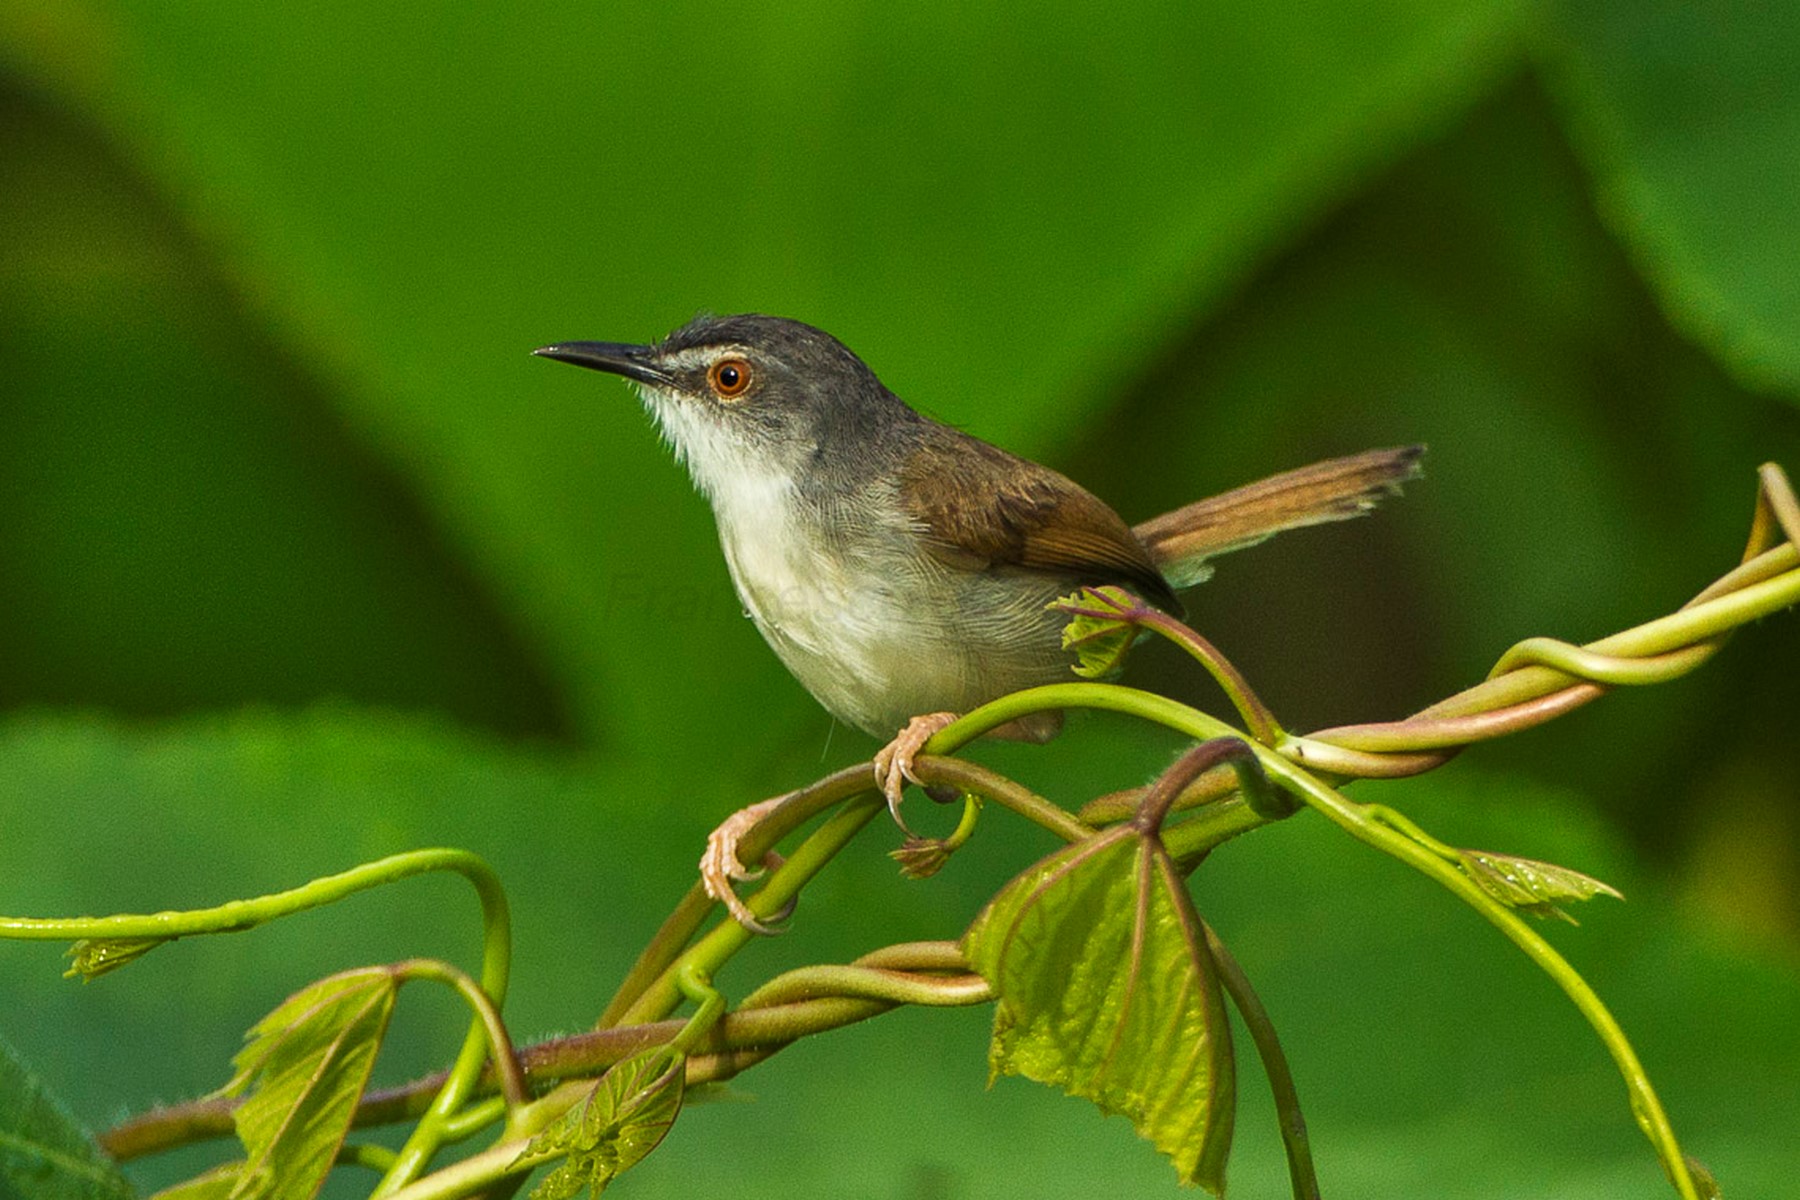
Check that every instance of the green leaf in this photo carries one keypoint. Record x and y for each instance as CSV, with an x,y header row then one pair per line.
x,y
44,1153
305,1066
1106,989
91,958
623,1118
1101,629
233,503
1528,884
1689,116
220,1183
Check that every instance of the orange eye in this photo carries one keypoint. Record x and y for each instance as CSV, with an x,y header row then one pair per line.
x,y
729,377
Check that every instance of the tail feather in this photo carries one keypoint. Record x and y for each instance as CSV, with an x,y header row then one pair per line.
x,y
1182,541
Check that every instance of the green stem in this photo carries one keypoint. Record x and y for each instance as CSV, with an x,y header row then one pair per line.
x,y
365,1154
991,785
1777,509
1116,609
237,915
664,947
499,1042
726,939
1108,697
1578,662
1404,826
475,1118
679,928
473,1175
1294,1138
1375,831
1764,564
696,984
870,983
916,956
1258,718
437,1125
965,827
1208,827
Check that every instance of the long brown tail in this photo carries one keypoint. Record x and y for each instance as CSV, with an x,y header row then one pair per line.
x,y
1182,541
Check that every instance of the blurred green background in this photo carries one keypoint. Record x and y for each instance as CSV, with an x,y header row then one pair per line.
x,y
303,560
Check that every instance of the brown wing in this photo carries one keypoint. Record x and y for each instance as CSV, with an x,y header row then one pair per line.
x,y
981,507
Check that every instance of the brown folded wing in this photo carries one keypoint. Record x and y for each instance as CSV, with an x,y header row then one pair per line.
x,y
982,508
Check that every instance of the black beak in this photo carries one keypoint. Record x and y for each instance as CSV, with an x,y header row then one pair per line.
x,y
620,358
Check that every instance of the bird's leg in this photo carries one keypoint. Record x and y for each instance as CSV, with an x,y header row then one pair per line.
x,y
894,763
720,865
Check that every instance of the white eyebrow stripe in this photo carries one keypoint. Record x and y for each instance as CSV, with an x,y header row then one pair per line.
x,y
695,357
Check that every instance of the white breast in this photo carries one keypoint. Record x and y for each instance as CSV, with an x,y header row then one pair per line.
x,y
830,606
781,583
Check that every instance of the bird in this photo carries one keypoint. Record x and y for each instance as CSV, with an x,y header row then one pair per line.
x,y
902,568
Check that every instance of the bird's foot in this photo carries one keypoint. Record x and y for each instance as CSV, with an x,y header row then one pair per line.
x,y
720,865
894,763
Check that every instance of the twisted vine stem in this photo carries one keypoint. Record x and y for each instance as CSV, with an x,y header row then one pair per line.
x,y
1541,678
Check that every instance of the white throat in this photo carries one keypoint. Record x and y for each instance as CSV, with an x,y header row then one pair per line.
x,y
752,500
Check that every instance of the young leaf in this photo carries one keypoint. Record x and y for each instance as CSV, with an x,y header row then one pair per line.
x,y
1101,629
91,958
1106,990
623,1119
304,1066
1530,885
44,1154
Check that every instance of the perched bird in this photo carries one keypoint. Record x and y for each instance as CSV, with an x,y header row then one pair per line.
x,y
899,567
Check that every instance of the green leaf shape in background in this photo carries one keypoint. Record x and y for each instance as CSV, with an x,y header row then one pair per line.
x,y
1003,216
303,1067
44,1153
184,523
626,1116
1105,988
1688,115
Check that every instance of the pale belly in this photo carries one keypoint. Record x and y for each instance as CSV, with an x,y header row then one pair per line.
x,y
878,639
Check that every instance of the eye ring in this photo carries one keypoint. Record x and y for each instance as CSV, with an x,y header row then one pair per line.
x,y
729,378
